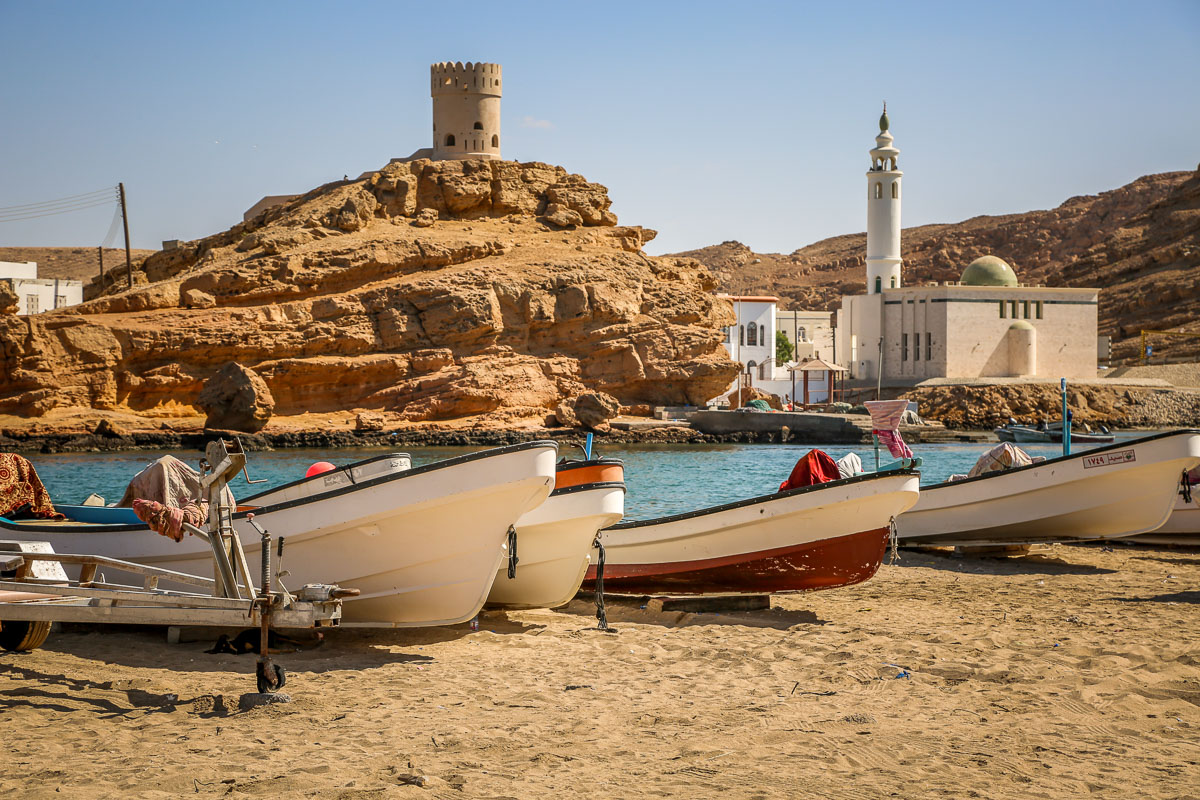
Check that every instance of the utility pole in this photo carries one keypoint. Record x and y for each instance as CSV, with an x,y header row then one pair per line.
x,y
125,222
100,254
879,371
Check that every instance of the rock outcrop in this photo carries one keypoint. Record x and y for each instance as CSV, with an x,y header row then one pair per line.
x,y
236,399
340,301
1140,243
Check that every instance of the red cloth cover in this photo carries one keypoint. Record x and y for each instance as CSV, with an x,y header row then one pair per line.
x,y
168,520
814,467
21,486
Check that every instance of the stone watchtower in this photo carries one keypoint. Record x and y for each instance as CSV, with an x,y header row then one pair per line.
x,y
466,110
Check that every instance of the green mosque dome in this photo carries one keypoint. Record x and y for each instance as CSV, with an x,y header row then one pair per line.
x,y
989,271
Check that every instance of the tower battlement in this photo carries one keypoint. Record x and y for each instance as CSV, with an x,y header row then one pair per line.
x,y
466,110
447,78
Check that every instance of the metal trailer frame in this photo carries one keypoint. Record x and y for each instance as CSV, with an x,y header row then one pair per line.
x,y
231,599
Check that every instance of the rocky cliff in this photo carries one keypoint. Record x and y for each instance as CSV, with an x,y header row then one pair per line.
x,y
1139,243
431,290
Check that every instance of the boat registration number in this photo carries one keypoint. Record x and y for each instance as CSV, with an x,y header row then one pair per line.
x,y
1108,459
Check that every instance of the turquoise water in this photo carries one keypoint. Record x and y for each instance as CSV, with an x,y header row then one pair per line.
x,y
662,479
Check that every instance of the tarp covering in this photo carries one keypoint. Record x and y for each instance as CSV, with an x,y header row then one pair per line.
x,y
1001,457
166,494
22,494
849,465
814,467
759,405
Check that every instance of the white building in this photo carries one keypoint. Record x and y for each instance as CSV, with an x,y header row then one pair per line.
x,y
986,324
810,332
751,343
34,294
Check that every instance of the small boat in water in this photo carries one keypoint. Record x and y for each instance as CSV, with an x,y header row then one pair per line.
x,y
814,537
553,542
1024,434
1107,492
422,545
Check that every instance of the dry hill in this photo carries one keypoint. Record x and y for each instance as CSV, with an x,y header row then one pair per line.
x,y
1140,243
489,290
72,263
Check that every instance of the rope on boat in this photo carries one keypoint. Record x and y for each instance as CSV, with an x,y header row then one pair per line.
x,y
601,616
512,552
893,541
1186,487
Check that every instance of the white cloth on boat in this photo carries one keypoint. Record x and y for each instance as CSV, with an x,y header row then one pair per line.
x,y
168,481
849,465
1001,457
886,414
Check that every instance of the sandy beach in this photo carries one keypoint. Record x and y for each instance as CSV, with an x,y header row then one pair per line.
x,y
1074,672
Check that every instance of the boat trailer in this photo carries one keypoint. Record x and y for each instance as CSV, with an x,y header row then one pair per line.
x,y
35,590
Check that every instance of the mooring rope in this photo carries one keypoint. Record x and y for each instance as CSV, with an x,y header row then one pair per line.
x,y
512,552
601,616
1186,489
893,541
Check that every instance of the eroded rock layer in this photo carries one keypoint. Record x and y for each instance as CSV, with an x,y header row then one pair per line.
x,y
433,290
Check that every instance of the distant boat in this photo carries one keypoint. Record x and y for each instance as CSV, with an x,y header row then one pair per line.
x,y
815,537
1024,434
422,544
554,541
1115,491
1183,527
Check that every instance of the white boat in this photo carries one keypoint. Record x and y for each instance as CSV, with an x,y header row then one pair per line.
x,y
422,545
554,541
1183,526
1107,492
815,537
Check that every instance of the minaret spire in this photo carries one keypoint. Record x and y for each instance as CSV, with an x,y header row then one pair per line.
x,y
883,212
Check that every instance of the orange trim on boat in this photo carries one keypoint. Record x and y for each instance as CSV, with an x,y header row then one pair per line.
x,y
591,473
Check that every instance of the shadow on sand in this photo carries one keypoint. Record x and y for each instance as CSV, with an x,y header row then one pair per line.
x,y
1192,597
644,611
1033,564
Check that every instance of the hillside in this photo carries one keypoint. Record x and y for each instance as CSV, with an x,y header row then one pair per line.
x,y
72,263
483,291
1140,243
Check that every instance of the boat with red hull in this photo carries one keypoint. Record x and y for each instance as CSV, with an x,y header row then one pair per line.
x,y
816,537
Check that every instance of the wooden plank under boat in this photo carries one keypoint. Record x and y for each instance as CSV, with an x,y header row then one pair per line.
x,y
422,545
1106,492
815,537
554,540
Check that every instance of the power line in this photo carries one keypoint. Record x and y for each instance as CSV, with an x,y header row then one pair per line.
x,y
16,217
31,206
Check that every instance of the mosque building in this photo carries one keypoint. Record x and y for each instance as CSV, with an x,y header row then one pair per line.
x,y
986,325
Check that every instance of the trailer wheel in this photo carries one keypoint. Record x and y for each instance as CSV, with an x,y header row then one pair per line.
x,y
23,635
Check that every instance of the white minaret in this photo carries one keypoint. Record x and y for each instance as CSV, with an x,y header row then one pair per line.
x,y
883,213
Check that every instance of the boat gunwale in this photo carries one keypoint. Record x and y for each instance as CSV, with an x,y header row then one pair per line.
x,y
583,487
11,525
1062,459
346,469
865,477
566,466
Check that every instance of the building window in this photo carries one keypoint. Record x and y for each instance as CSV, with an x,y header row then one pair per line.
x,y
741,335
752,339
878,190
904,347
60,300
878,284
895,190
1001,309
478,126
1039,309
1025,309
894,284
495,140
928,347
31,304
803,335
1012,306
916,347
750,365
449,140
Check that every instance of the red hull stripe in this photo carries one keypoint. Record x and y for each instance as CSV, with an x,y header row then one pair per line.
x,y
824,564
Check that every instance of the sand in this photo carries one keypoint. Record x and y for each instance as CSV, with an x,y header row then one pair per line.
x,y
1068,674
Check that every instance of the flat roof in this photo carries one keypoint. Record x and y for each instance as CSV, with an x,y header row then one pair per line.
x,y
750,298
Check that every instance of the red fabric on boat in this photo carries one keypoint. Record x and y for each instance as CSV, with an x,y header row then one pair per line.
x,y
20,486
168,520
815,466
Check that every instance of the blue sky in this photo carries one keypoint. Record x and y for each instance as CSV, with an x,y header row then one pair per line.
x,y
707,121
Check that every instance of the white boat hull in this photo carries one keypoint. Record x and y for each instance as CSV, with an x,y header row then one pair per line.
x,y
422,545
818,537
1109,492
554,546
1182,528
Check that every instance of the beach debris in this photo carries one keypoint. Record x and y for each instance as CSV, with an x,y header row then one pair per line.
x,y
859,719
257,699
570,687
